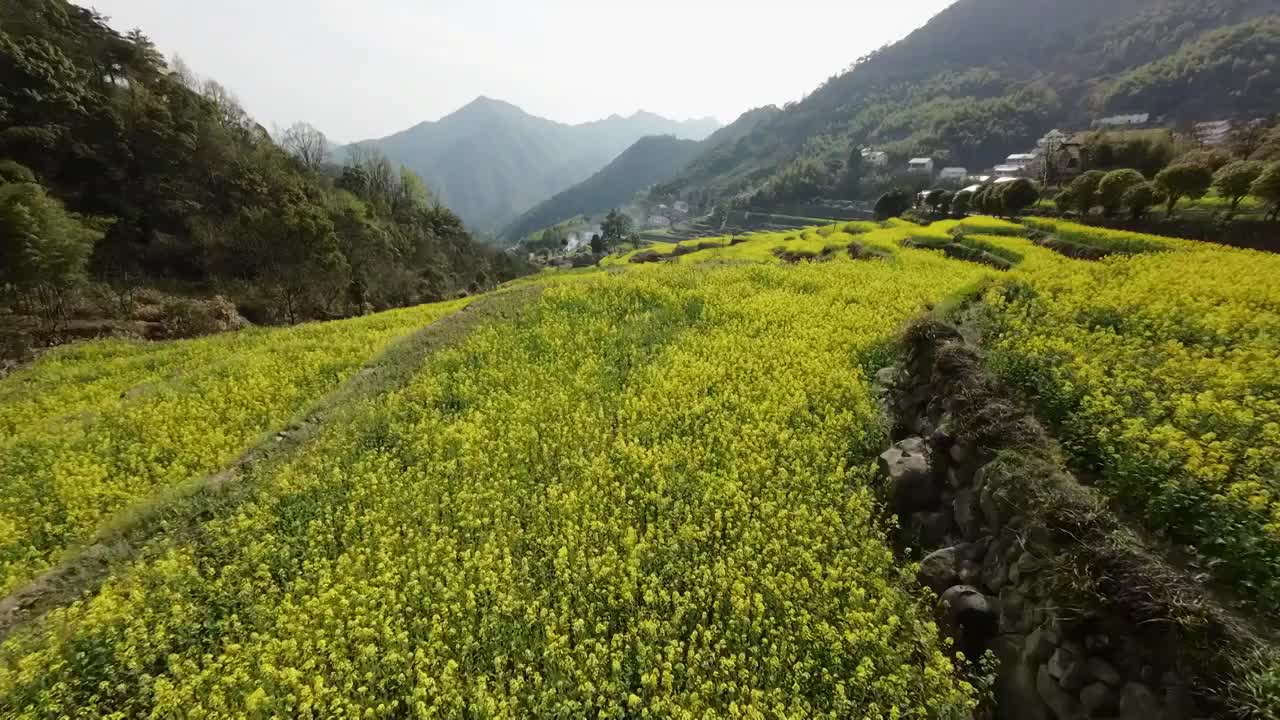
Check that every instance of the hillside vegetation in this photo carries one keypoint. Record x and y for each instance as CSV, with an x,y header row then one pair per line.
x,y
119,169
986,78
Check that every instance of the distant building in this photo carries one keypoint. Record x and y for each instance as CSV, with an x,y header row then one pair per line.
x,y
876,158
973,189
1009,171
953,174
1123,121
1004,179
1212,133
659,221
1053,138
681,206
1021,160
920,166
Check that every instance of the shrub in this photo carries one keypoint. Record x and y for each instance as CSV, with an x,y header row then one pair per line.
x,y
1234,181
893,204
1183,180
190,317
1141,198
1112,188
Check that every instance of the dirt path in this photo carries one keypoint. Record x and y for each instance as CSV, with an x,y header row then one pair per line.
x,y
180,510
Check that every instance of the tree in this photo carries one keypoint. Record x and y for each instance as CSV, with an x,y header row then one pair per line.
x,y
1112,188
1234,181
597,245
1141,198
961,203
1018,196
1267,189
615,228
893,204
854,169
1213,159
44,250
1183,180
307,144
1082,193
944,201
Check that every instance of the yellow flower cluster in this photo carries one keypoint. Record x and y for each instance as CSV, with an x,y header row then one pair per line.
x,y
1162,371
644,496
93,428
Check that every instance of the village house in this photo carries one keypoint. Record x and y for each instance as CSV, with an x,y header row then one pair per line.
x,y
876,158
953,174
920,166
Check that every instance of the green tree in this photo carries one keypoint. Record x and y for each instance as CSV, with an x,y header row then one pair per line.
x,y
961,203
597,245
1018,196
1140,198
615,229
1183,180
893,204
44,250
1234,181
1267,188
1082,193
1112,188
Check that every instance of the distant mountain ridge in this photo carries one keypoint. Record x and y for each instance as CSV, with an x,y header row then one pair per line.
x,y
650,161
490,160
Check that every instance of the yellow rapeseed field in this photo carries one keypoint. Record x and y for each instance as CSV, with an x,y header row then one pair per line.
x,y
646,496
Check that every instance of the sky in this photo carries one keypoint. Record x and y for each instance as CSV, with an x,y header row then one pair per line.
x,y
366,69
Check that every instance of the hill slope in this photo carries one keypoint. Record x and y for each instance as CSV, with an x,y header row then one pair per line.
x,y
652,160
985,78
491,161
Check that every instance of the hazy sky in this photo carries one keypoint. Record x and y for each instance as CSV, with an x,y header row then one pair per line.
x,y
372,67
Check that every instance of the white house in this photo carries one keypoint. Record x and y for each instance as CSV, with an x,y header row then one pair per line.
x,y
921,166
659,221
1009,171
1119,121
681,206
953,174
877,158
1022,160
1213,133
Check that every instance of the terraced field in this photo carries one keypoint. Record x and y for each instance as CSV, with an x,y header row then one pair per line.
x,y
648,490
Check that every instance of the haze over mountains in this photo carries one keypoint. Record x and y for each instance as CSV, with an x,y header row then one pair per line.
x,y
490,161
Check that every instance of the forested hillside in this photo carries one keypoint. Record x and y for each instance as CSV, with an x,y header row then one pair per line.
x,y
491,161
120,170
985,78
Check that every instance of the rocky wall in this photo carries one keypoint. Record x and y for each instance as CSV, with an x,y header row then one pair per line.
x,y
1025,561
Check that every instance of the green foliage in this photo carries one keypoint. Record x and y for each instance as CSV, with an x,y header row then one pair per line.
x,y
1018,196
1227,71
1183,180
961,203
1267,188
893,204
1112,189
1140,198
44,250
1234,181
615,229
201,195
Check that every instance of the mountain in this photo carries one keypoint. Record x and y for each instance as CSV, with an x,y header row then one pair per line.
x,y
491,161
652,160
986,78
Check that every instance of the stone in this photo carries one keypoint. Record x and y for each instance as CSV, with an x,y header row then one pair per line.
x,y
906,465
967,513
1137,702
932,528
1058,663
1040,646
991,510
1012,605
994,572
889,377
1178,703
1076,675
1064,705
1015,691
961,453
968,617
1104,671
1099,699
940,569
970,573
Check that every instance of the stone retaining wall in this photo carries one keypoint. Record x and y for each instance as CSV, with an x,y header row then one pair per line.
x,y
1027,563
